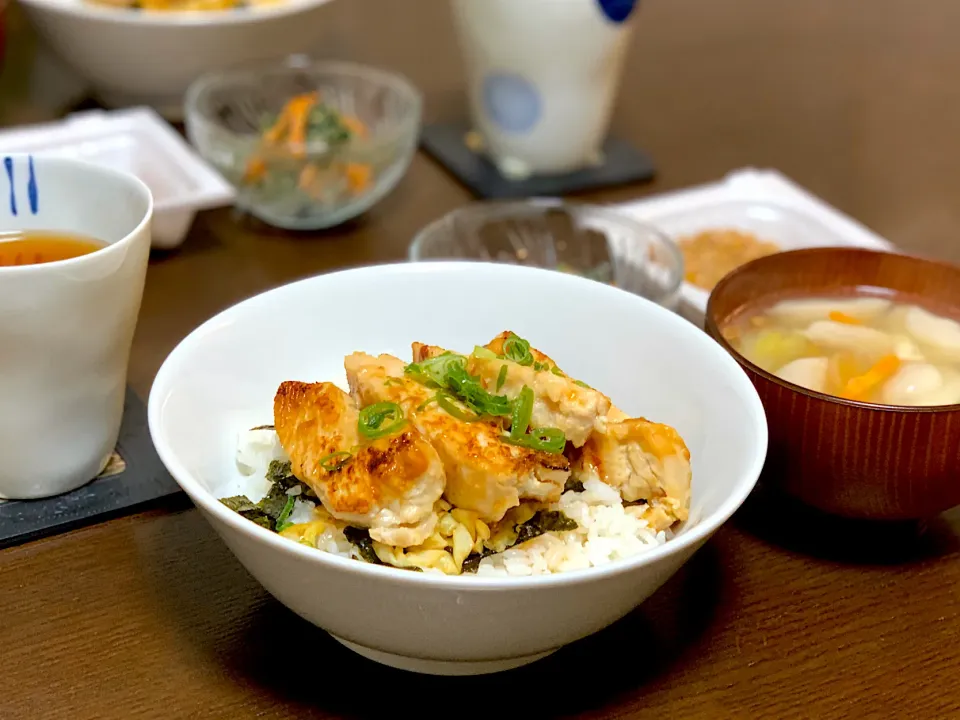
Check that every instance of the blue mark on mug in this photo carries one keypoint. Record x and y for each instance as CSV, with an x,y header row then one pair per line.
x,y
617,10
512,102
33,192
8,164
33,197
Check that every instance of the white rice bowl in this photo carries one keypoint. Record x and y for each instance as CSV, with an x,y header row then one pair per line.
x,y
607,530
221,379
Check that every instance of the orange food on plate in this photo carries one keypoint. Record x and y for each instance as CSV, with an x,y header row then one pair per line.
x,y
711,254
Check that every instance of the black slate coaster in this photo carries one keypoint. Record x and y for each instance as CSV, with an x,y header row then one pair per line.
x,y
623,164
134,476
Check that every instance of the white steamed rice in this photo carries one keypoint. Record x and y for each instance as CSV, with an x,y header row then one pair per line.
x,y
607,530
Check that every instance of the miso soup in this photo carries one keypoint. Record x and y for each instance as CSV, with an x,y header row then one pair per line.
x,y
869,349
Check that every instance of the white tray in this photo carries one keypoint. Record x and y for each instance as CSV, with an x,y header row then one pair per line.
x,y
140,142
763,202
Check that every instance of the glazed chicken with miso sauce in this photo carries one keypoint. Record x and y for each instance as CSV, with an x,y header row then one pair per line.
x,y
508,366
484,473
495,460
393,479
646,462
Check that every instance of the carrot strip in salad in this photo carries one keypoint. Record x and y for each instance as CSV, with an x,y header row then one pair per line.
x,y
358,177
256,170
355,125
307,176
299,108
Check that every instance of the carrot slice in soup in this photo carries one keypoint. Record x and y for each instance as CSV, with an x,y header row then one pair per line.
x,y
858,388
842,317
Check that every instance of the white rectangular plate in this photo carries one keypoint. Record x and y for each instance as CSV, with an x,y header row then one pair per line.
x,y
140,142
762,202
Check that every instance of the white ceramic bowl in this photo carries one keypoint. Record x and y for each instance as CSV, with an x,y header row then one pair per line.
x,y
140,58
222,378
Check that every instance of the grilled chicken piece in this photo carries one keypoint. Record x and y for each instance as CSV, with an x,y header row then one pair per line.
x,y
644,461
389,485
497,346
558,401
484,474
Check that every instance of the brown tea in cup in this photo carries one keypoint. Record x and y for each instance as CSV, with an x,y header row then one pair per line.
x,y
34,247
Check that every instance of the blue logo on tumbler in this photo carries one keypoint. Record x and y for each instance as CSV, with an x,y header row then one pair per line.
x,y
617,10
512,102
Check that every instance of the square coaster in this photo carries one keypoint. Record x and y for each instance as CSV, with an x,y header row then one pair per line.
x,y
133,476
445,143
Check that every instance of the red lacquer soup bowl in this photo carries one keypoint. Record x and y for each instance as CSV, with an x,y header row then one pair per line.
x,y
849,458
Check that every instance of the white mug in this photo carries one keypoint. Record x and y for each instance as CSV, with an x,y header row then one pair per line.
x,y
542,78
66,327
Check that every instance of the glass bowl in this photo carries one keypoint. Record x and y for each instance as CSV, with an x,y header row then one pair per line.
x,y
587,240
360,134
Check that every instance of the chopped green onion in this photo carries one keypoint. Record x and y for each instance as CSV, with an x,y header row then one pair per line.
x,y
371,421
582,384
551,440
335,460
518,350
482,352
448,372
433,371
556,371
470,391
431,399
282,523
522,412
501,377
445,400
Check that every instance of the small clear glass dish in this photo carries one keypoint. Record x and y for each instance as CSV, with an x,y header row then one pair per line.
x,y
326,179
587,240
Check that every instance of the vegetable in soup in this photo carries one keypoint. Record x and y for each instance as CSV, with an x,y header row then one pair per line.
x,y
864,348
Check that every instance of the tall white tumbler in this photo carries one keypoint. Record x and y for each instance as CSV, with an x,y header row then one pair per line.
x,y
542,78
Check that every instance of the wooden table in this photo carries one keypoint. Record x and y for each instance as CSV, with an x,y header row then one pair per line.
x,y
777,617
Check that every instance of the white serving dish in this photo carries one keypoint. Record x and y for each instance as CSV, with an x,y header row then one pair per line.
x,y
133,58
140,142
762,202
222,378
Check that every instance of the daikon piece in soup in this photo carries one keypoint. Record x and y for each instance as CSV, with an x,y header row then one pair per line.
x,y
874,349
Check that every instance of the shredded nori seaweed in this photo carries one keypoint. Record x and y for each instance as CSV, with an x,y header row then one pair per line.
x,y
573,485
279,472
472,563
245,507
543,522
283,480
239,503
360,538
269,512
